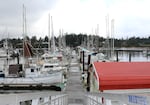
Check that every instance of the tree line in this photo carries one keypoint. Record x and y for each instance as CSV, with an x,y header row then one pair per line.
x,y
73,40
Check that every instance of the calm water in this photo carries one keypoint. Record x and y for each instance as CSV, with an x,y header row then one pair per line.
x,y
122,55
135,56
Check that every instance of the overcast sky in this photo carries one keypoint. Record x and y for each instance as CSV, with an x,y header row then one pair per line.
x,y
132,17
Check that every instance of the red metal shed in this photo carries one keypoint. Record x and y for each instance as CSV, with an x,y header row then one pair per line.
x,y
122,75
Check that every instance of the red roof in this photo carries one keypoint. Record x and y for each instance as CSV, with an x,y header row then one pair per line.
x,y
123,75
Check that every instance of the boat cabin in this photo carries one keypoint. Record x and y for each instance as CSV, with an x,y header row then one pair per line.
x,y
15,70
50,67
32,71
49,57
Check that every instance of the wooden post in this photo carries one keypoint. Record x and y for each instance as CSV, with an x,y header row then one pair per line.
x,y
80,56
89,59
88,81
88,73
129,56
17,58
83,61
117,56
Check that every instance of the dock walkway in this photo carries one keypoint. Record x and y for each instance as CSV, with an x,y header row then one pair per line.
x,y
74,87
75,94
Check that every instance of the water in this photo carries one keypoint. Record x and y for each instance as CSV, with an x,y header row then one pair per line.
x,y
122,55
135,56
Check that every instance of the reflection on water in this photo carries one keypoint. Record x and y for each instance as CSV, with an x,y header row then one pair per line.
x,y
123,56
135,56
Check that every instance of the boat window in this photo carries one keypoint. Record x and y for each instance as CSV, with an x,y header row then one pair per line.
x,y
37,69
32,70
49,66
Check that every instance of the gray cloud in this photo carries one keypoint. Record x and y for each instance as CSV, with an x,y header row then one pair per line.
x,y
133,26
129,18
11,13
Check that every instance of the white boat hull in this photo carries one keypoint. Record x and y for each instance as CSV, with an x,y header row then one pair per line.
x,y
49,79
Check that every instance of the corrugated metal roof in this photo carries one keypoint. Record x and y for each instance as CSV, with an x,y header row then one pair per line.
x,y
122,75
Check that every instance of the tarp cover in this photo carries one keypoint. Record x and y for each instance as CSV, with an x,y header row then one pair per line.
x,y
122,75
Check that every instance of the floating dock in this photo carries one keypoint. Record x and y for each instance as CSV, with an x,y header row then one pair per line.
x,y
74,87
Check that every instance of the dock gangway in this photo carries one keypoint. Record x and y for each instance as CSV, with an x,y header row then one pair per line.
x,y
61,98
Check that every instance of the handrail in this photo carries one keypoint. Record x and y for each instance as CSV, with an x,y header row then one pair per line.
x,y
114,98
57,100
37,98
61,98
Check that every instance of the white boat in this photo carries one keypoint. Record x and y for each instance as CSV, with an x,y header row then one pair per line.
x,y
30,76
29,73
52,55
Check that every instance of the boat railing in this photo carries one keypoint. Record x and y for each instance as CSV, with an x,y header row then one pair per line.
x,y
34,98
116,99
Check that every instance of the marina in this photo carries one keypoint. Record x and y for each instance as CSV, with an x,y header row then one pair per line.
x,y
75,93
82,52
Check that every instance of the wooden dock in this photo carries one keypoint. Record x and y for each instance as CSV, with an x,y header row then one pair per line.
x,y
74,87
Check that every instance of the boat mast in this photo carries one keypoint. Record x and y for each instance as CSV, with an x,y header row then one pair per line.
x,y
107,35
88,42
63,39
53,40
112,36
49,32
23,25
60,39
95,37
24,29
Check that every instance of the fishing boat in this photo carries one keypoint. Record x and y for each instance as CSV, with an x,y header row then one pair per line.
x,y
30,74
